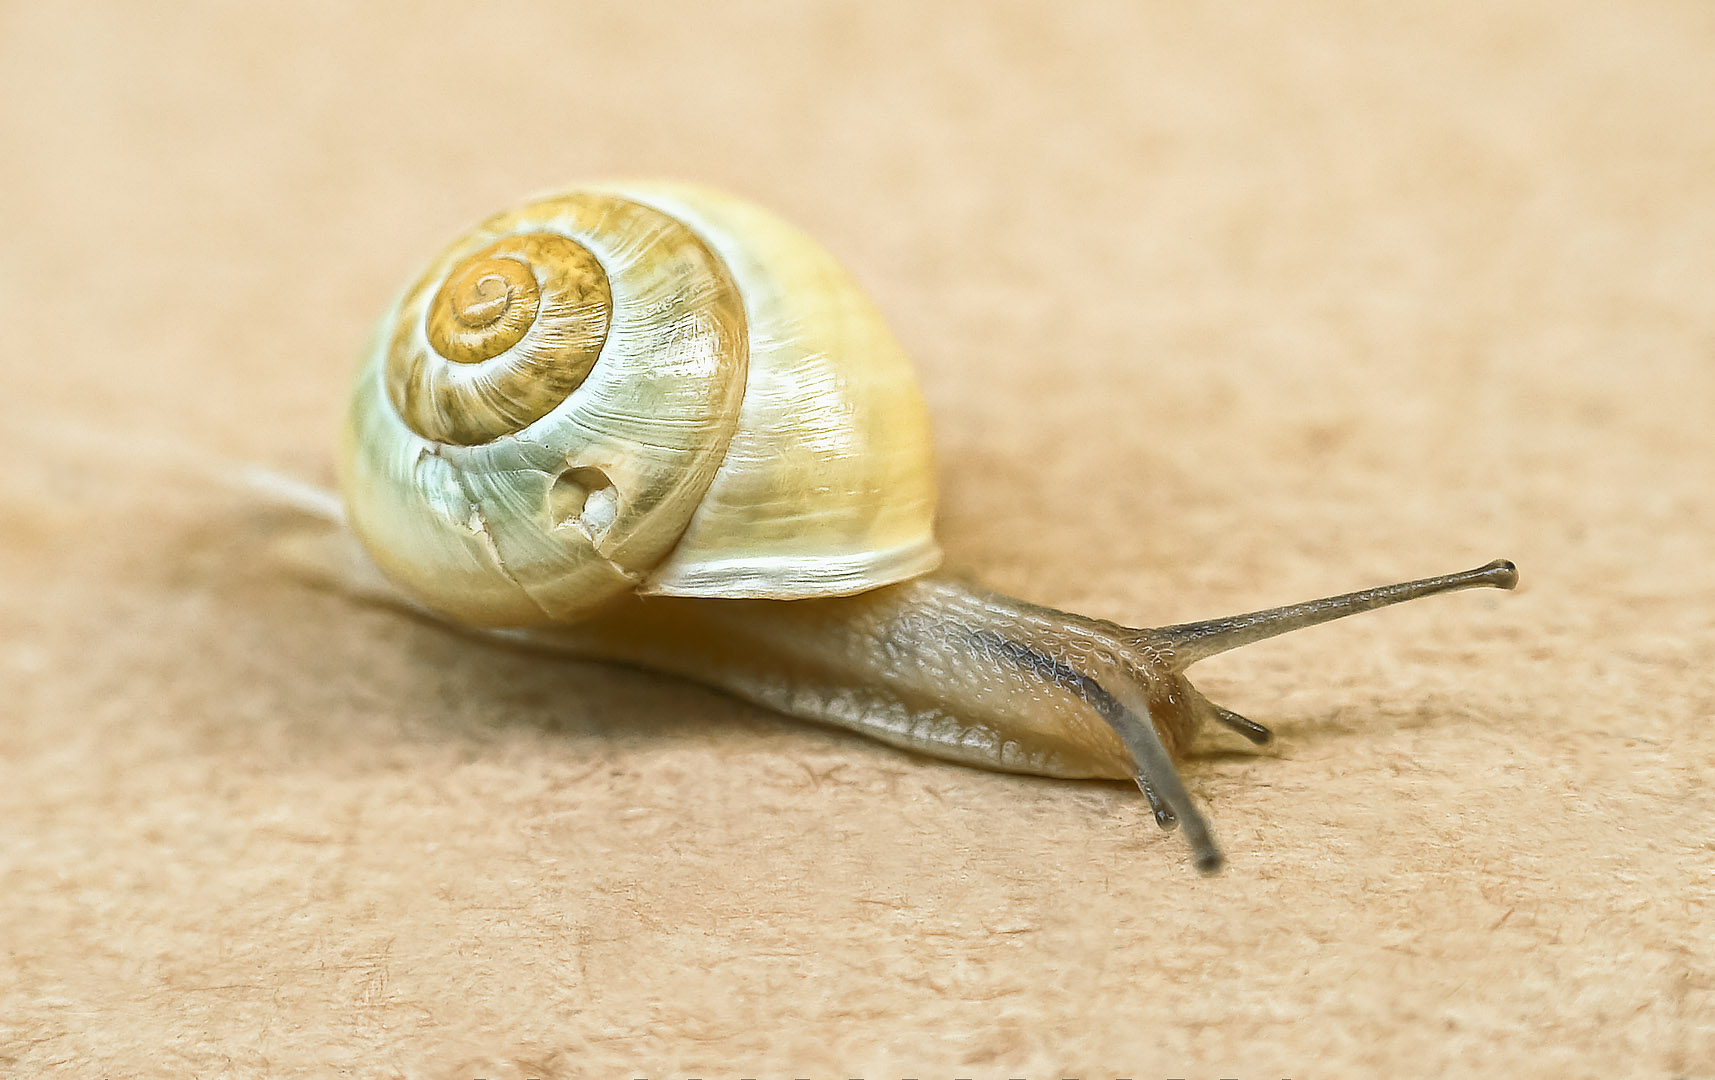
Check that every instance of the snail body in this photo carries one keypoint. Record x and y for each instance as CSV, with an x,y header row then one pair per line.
x,y
652,423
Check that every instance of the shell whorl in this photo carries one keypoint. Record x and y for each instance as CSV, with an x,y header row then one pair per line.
x,y
544,409
641,387
512,330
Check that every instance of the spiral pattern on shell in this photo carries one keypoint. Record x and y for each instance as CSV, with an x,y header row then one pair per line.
x,y
640,387
545,407
512,330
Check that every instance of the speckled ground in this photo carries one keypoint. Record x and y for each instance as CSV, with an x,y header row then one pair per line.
x,y
1213,310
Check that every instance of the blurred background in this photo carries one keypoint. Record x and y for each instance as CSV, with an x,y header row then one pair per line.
x,y
1214,309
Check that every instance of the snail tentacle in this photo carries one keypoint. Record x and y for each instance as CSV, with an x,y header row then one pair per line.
x,y
1156,775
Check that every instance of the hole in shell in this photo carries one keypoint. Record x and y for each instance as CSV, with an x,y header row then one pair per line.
x,y
584,499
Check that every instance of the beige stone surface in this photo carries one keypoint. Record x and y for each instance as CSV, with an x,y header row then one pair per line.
x,y
1214,308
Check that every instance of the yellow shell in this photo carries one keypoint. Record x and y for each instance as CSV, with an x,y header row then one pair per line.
x,y
645,387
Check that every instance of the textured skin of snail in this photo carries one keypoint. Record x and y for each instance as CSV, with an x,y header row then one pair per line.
x,y
654,424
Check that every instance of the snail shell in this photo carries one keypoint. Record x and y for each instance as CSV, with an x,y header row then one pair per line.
x,y
645,387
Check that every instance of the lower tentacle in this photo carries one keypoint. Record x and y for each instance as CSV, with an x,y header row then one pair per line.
x,y
1155,773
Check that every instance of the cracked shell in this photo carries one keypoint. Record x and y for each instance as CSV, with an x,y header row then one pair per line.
x,y
647,388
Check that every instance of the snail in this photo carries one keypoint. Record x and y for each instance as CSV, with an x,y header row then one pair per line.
x,y
652,423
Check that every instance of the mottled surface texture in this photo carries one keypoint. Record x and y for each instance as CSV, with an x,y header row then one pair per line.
x,y
1212,310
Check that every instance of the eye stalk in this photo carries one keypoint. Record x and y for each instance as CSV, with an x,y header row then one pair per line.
x,y
1145,698
1194,641
1186,643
